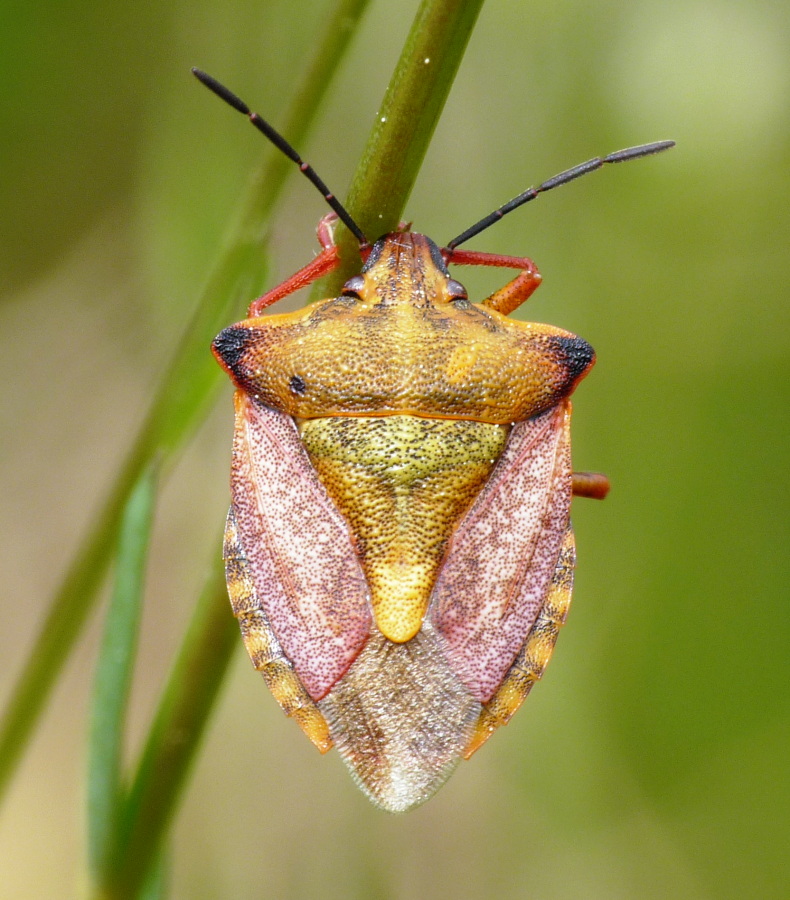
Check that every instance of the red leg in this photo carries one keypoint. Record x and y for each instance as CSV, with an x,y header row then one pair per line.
x,y
515,292
476,258
326,260
590,484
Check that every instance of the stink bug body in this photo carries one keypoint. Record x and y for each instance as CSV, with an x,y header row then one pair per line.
x,y
398,548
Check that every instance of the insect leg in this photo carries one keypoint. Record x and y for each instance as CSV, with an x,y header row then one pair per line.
x,y
515,292
325,262
590,484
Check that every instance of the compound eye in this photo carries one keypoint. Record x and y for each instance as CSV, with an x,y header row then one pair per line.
x,y
456,290
353,287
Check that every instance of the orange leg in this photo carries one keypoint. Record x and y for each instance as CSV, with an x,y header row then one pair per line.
x,y
590,484
515,292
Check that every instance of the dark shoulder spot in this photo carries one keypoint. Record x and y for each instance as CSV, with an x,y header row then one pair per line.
x,y
232,344
576,354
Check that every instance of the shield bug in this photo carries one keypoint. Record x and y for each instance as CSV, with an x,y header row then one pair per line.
x,y
398,548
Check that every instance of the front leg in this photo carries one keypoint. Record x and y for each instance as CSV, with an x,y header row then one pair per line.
x,y
515,292
325,262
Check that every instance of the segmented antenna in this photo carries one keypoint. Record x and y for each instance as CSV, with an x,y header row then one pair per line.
x,y
281,144
563,178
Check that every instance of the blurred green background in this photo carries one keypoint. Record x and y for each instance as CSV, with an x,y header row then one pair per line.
x,y
652,761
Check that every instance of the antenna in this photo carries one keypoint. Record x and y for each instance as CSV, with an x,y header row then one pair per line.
x,y
563,178
281,144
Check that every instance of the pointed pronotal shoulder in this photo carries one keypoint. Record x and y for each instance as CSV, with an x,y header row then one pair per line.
x,y
403,339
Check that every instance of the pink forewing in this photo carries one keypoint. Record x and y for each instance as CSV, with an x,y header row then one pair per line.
x,y
301,557
500,560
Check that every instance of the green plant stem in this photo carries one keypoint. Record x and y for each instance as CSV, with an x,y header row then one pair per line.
x,y
114,671
397,145
179,724
180,401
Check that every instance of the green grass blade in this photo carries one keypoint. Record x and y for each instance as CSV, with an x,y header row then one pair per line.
x,y
179,724
114,671
404,126
156,886
181,399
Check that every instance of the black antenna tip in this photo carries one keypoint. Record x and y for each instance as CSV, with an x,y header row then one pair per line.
x,y
642,150
221,91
